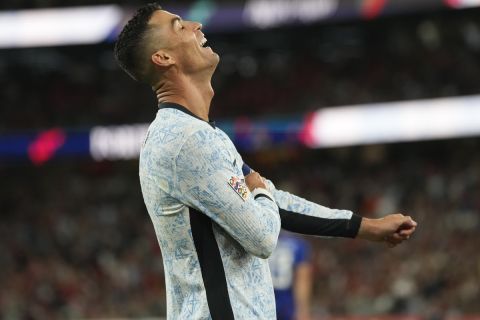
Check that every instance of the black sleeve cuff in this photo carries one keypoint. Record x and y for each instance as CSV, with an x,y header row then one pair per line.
x,y
304,224
261,195
354,225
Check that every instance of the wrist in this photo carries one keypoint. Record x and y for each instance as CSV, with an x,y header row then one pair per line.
x,y
368,229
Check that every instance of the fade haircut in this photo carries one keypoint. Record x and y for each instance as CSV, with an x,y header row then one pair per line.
x,y
130,45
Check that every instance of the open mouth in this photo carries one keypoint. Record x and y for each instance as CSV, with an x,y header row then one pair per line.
x,y
203,43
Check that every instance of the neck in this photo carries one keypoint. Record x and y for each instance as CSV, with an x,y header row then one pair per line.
x,y
195,94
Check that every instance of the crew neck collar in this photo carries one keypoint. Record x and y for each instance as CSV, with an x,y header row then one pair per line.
x,y
177,106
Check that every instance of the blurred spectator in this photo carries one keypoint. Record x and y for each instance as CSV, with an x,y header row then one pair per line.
x,y
292,278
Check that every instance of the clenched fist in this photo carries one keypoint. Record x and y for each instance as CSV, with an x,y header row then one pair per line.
x,y
392,229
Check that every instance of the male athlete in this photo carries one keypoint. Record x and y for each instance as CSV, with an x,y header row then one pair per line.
x,y
215,226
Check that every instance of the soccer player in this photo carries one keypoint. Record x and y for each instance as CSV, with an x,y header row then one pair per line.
x,y
291,271
215,227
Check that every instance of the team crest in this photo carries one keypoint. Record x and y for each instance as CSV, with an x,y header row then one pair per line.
x,y
239,186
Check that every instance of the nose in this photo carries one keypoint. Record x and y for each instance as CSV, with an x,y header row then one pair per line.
x,y
198,26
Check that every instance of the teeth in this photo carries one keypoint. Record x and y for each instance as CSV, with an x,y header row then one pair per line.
x,y
204,41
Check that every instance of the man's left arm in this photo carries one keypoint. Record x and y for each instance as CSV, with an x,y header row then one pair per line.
x,y
305,217
302,216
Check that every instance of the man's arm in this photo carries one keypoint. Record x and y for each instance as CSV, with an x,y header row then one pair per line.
x,y
302,216
206,180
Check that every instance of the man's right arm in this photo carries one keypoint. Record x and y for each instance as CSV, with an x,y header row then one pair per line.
x,y
206,180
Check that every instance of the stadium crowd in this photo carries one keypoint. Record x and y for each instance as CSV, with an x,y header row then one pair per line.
x,y
32,4
281,71
76,240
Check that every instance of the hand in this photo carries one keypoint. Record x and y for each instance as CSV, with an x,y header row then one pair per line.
x,y
392,229
255,180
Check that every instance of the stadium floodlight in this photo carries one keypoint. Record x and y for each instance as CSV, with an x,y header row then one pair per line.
x,y
394,122
272,13
462,4
53,27
95,24
117,142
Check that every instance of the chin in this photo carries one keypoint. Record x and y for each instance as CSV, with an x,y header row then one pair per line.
x,y
213,61
216,58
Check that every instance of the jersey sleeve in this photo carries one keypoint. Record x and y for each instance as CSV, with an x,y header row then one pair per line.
x,y
206,180
302,216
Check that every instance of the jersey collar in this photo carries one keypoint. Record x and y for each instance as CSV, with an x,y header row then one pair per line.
x,y
177,106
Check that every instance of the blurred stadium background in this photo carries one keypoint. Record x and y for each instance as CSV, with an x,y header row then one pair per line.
x,y
371,105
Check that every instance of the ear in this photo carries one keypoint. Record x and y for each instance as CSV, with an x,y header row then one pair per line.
x,y
162,59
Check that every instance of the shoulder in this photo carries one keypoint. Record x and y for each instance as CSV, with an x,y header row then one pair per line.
x,y
207,150
204,150
170,130
165,137
173,126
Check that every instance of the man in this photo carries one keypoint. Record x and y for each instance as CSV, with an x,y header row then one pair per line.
x,y
291,271
215,229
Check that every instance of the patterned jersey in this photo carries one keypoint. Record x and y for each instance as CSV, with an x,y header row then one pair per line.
x,y
291,251
213,233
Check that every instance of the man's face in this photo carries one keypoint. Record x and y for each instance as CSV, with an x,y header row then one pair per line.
x,y
184,40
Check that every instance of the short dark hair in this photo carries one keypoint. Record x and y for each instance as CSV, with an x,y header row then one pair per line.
x,y
130,43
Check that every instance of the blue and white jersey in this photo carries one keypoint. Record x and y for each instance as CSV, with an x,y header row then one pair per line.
x,y
213,233
291,251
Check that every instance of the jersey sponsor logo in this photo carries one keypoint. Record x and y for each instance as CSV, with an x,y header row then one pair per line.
x,y
239,186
